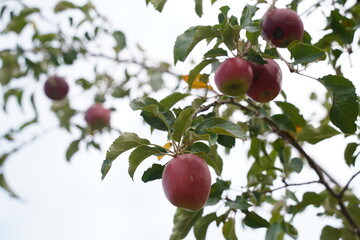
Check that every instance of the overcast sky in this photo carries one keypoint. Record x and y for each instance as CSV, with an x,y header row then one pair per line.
x,y
62,201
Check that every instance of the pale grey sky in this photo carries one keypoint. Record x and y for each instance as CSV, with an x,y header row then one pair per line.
x,y
68,201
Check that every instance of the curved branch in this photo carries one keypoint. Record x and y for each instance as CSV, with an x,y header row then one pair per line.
x,y
291,185
293,142
341,194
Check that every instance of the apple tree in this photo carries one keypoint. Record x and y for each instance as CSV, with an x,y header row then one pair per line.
x,y
233,95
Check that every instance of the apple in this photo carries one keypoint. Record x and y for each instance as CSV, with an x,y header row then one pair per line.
x,y
186,181
266,82
97,117
234,77
281,27
56,88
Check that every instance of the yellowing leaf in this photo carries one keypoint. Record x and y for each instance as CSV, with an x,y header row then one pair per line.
x,y
167,146
197,84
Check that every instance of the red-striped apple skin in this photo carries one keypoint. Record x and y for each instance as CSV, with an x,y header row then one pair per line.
x,y
97,117
56,88
186,181
281,27
267,81
233,77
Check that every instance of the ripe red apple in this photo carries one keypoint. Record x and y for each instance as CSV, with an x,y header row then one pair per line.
x,y
234,77
266,82
56,88
281,27
97,117
186,181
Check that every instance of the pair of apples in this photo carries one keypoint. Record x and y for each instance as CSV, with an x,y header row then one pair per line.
x,y
236,76
186,178
97,117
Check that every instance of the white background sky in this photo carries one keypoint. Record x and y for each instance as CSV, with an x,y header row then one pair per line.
x,y
68,201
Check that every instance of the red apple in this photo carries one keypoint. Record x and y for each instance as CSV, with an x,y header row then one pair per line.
x,y
97,117
56,88
234,77
281,27
186,181
266,82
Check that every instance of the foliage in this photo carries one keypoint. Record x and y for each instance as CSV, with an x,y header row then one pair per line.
x,y
199,120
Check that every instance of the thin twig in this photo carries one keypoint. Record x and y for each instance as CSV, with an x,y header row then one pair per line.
x,y
341,194
291,185
292,141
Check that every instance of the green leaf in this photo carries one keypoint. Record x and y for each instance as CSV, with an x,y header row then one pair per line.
x,y
213,159
4,185
153,173
64,5
154,113
284,123
309,198
123,143
202,224
229,229
345,106
240,203
292,112
189,39
182,123
158,4
138,156
330,233
296,164
226,141
16,25
64,112
155,118
197,69
314,135
199,147
220,126
230,30
183,222
172,99
72,149
156,81
290,230
15,92
120,41
191,137
349,156
70,56
253,220
305,53
254,56
3,158
217,190
343,27
85,84
215,52
247,14
274,232
199,7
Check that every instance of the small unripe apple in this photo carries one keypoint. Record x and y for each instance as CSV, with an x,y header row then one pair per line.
x,y
56,88
186,181
281,27
97,117
234,77
266,82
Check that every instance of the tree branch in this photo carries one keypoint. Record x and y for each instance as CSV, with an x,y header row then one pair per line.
x,y
291,185
293,142
341,194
